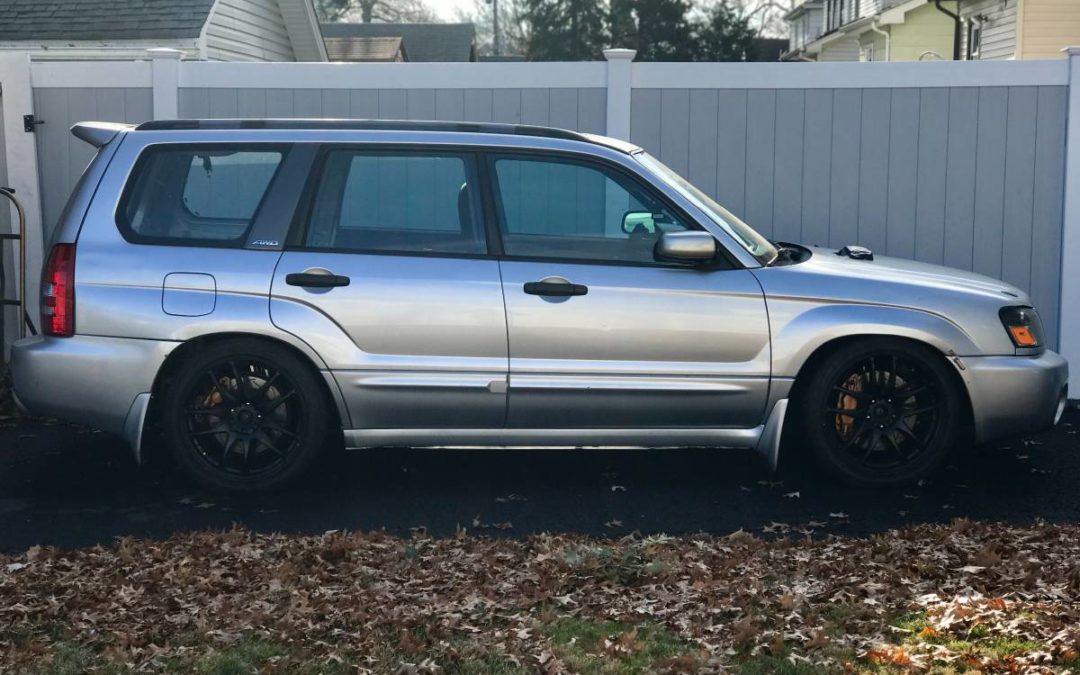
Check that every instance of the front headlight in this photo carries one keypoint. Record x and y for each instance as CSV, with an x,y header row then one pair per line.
x,y
1023,326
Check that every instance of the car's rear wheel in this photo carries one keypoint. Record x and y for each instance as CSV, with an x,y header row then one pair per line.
x,y
881,411
245,415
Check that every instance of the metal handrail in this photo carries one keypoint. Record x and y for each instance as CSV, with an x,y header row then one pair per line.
x,y
20,237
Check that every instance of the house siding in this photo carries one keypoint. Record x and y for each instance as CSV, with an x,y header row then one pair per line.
x,y
1047,27
924,30
846,49
998,27
247,30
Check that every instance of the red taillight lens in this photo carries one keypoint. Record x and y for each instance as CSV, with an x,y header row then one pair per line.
x,y
58,292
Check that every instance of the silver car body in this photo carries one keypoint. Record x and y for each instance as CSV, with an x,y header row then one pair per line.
x,y
440,351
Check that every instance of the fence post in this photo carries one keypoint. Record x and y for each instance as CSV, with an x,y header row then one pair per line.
x,y
1069,337
619,84
22,170
165,74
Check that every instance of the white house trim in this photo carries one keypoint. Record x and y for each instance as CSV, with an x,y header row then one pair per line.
x,y
303,28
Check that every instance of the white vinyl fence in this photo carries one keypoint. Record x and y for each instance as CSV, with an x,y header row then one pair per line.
x,y
965,164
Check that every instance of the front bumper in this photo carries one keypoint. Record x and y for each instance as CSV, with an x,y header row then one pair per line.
x,y
85,379
1015,395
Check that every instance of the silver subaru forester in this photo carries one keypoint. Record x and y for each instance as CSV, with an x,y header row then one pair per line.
x,y
260,290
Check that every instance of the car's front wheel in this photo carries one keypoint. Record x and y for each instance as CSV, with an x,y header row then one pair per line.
x,y
245,415
881,411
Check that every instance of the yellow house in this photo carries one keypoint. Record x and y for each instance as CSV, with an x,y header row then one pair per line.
x,y
1018,29
878,30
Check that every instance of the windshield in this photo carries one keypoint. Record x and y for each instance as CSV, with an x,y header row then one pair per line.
x,y
757,245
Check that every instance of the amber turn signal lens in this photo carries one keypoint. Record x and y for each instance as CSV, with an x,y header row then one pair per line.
x,y
1022,336
1023,326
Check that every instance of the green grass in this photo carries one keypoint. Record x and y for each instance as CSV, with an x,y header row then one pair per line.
x,y
483,663
610,648
68,658
978,641
245,656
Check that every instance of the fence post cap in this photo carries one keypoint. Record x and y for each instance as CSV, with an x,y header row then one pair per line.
x,y
620,54
165,53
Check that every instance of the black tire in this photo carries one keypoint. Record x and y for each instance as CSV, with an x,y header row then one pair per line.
x,y
881,411
245,415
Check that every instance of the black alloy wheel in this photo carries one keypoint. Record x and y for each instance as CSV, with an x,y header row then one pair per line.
x,y
882,411
245,415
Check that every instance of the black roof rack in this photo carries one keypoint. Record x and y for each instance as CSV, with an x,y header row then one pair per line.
x,y
364,125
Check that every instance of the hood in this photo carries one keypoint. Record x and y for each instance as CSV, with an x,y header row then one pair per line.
x,y
885,271
968,302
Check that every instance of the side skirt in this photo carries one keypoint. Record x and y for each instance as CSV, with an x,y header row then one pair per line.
x,y
557,438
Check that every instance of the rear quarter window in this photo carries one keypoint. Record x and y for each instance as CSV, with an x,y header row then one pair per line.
x,y
197,194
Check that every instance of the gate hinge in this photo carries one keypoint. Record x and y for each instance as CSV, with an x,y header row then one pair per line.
x,y
29,122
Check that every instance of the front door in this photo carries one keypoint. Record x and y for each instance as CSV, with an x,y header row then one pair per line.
x,y
601,334
390,283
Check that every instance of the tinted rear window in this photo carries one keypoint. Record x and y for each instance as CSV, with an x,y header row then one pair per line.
x,y
197,193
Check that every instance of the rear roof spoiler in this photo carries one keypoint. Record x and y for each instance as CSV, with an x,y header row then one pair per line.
x,y
98,134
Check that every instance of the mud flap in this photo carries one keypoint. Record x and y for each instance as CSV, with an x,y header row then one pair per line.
x,y
768,445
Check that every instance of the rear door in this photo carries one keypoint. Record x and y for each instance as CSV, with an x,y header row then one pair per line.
x,y
388,275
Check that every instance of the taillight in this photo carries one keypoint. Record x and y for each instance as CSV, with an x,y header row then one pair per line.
x,y
58,292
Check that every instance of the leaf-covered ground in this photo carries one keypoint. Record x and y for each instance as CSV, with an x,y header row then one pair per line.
x,y
962,597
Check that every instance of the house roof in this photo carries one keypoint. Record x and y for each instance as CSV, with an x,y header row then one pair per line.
x,y
422,41
799,10
102,19
364,49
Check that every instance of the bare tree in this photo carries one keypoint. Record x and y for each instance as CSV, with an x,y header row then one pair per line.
x,y
513,29
376,11
766,16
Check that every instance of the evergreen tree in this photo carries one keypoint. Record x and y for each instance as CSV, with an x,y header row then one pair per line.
x,y
664,31
724,34
565,30
623,25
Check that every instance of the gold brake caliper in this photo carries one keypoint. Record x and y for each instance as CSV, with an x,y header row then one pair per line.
x,y
845,423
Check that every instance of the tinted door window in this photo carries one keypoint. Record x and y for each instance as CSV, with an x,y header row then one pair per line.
x,y
197,193
553,208
403,202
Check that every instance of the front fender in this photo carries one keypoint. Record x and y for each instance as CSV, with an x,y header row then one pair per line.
x,y
801,327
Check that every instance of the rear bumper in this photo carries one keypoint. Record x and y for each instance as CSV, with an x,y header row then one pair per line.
x,y
1015,395
85,379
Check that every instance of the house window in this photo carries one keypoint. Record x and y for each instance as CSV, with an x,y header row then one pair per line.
x,y
974,39
866,52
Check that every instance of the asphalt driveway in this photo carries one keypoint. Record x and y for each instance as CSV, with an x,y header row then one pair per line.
x,y
67,486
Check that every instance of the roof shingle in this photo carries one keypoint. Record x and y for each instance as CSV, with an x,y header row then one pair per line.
x,y
102,19
422,41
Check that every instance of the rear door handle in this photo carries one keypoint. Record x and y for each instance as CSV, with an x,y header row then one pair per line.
x,y
552,288
316,278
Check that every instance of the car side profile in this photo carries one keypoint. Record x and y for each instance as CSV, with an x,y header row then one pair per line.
x,y
259,290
